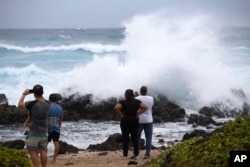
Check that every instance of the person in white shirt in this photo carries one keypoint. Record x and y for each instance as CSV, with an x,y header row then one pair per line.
x,y
146,119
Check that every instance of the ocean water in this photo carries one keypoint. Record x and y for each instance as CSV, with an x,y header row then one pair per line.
x,y
188,61
84,133
192,62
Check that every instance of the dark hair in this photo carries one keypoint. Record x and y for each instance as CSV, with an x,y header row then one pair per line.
x,y
38,90
143,90
52,98
55,97
129,94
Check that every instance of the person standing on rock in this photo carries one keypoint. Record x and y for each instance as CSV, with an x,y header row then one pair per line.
x,y
146,119
36,141
127,110
55,123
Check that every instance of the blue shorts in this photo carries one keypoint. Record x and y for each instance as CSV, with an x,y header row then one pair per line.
x,y
36,143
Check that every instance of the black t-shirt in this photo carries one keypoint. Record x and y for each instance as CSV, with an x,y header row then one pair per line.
x,y
130,107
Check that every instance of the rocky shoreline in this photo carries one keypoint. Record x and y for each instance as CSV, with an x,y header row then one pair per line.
x,y
78,107
83,107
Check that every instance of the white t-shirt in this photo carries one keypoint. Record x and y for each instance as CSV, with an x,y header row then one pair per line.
x,y
146,117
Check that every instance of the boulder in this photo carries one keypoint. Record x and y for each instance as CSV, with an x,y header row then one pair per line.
x,y
3,99
167,111
114,142
10,114
17,144
67,148
196,133
200,120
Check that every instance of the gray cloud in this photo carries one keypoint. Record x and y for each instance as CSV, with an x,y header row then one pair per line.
x,y
110,13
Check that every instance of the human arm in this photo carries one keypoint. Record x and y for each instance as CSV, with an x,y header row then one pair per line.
x,y
118,110
142,109
60,117
25,124
21,103
60,122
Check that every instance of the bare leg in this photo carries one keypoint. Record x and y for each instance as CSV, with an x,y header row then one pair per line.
x,y
56,151
34,157
43,157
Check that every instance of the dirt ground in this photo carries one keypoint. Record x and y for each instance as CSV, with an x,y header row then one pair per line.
x,y
99,159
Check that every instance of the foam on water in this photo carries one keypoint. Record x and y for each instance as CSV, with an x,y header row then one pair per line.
x,y
84,133
180,58
184,59
93,47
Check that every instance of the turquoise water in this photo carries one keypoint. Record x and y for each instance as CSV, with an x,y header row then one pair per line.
x,y
191,63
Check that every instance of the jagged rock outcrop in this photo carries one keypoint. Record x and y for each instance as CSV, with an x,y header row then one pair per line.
x,y
67,148
18,144
200,120
3,99
196,133
78,107
114,142
10,114
167,111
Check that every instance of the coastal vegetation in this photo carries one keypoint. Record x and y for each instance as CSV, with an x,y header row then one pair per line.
x,y
210,151
13,157
213,151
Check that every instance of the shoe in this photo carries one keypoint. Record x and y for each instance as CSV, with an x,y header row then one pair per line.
x,y
124,158
146,157
132,163
133,157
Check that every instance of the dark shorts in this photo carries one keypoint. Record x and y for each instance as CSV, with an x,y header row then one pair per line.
x,y
36,143
53,136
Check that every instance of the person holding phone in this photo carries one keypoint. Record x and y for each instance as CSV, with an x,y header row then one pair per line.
x,y
36,140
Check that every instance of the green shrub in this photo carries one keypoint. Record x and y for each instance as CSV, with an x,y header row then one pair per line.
x,y
13,158
214,152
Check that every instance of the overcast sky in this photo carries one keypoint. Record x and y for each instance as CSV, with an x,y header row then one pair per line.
x,y
111,13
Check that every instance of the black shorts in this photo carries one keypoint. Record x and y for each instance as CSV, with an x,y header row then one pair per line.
x,y
53,136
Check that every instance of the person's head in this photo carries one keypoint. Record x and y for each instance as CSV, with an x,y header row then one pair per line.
x,y
52,98
38,90
143,90
129,94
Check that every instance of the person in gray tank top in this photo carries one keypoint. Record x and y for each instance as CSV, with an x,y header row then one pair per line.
x,y
36,141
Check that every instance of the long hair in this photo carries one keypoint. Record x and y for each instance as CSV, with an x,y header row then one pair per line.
x,y
129,94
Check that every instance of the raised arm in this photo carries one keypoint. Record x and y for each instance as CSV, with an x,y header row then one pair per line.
x,y
21,103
